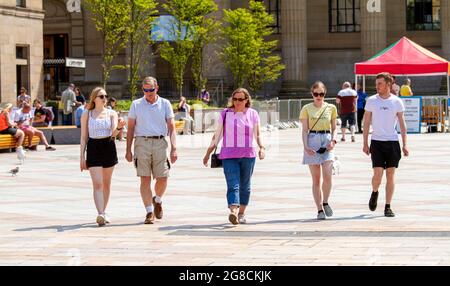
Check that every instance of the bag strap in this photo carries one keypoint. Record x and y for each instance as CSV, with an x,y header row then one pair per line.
x,y
320,117
223,127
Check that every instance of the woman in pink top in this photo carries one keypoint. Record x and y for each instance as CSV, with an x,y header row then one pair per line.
x,y
238,126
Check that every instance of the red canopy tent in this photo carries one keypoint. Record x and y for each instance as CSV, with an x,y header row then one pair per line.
x,y
406,58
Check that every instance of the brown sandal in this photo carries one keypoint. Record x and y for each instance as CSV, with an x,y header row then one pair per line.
x,y
233,218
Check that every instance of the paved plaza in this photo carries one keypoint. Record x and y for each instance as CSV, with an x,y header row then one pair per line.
x,y
47,213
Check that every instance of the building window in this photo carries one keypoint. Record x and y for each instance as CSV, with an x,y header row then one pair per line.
x,y
273,8
344,16
21,3
21,53
423,15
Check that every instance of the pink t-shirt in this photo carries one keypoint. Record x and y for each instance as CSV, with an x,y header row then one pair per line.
x,y
238,133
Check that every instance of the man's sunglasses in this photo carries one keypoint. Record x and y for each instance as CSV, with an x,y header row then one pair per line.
x,y
316,94
102,96
239,99
149,89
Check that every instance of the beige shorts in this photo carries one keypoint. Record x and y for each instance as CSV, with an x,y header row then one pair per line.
x,y
151,157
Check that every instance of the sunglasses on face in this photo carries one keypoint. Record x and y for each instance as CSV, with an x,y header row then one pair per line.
x,y
102,96
149,89
316,94
239,99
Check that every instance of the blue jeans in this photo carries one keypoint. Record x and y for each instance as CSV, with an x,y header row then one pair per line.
x,y
67,119
238,173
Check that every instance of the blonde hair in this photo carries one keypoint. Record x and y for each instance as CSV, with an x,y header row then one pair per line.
x,y
247,96
6,107
93,96
150,80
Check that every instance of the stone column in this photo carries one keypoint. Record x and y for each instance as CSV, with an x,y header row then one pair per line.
x,y
445,28
77,45
373,28
294,47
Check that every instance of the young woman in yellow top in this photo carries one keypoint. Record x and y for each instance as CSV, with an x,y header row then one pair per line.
x,y
319,138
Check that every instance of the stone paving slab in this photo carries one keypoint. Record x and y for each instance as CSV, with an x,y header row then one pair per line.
x,y
47,213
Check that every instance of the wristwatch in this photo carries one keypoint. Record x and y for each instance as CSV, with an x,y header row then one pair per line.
x,y
118,129
335,142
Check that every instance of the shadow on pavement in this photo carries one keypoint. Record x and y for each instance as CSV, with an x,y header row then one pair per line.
x,y
62,228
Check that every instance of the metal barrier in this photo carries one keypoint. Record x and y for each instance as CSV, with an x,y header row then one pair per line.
x,y
284,110
434,111
289,109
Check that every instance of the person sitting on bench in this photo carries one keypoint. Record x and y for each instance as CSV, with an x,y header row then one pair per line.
x,y
7,128
24,122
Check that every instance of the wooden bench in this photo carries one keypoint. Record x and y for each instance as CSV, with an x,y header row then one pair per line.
x,y
179,126
433,115
9,142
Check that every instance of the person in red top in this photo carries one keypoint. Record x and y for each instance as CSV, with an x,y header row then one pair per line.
x,y
347,99
7,128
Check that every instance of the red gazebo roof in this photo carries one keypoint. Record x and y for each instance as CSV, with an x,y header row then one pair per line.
x,y
404,58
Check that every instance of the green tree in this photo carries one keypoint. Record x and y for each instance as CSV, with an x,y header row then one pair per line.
x,y
269,66
247,53
187,17
110,18
141,18
206,32
241,48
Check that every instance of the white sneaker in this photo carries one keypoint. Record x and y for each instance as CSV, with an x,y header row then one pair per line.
x,y
242,219
106,218
321,215
101,220
20,153
328,210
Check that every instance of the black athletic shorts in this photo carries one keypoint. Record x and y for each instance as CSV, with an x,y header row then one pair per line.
x,y
385,154
348,120
101,153
10,130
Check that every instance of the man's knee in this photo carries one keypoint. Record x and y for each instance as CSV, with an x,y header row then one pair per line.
x,y
146,180
390,173
161,180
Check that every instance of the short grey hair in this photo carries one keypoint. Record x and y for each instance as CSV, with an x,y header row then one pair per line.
x,y
150,80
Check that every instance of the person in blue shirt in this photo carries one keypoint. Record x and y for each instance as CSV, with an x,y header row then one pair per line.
x,y
361,104
79,112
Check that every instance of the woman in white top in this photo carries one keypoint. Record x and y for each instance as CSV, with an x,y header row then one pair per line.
x,y
99,127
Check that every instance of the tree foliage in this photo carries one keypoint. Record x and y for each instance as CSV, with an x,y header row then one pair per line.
x,y
247,52
110,18
142,15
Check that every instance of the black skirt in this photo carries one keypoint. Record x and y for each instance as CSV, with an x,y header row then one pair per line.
x,y
101,153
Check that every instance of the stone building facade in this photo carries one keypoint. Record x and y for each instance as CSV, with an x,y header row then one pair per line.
x,y
318,40
21,50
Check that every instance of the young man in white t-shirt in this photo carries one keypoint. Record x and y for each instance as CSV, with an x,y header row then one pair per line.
x,y
383,111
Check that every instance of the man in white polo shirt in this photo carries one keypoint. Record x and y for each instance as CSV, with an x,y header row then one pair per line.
x,y
151,121
383,111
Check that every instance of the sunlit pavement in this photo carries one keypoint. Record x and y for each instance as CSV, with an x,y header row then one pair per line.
x,y
47,213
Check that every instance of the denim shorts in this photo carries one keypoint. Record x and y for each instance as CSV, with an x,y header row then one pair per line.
x,y
315,142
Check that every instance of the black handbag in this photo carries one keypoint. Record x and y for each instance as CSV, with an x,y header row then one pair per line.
x,y
215,161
